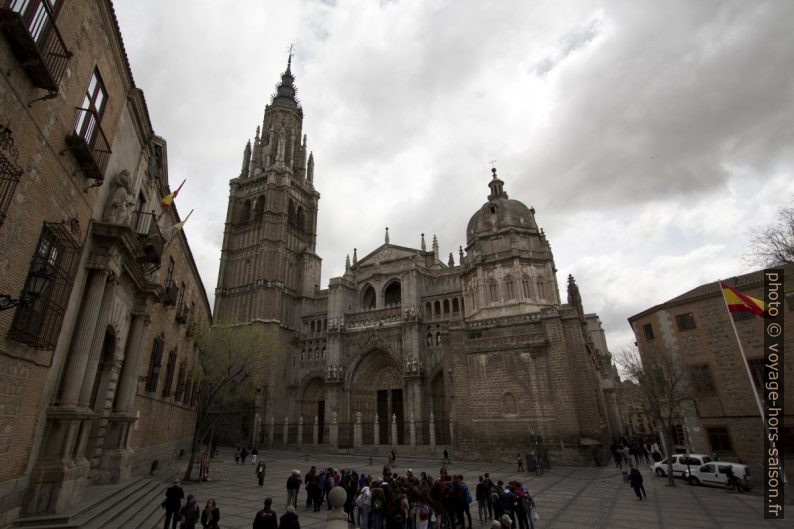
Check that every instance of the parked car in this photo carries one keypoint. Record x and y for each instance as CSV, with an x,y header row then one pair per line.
x,y
716,473
680,464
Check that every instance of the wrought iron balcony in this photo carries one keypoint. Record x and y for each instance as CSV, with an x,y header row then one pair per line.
x,y
9,170
29,27
89,144
171,293
144,224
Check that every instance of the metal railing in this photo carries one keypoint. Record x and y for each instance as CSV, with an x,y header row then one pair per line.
x,y
30,25
89,143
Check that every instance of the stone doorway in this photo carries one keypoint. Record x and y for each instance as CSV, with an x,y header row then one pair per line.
x,y
377,388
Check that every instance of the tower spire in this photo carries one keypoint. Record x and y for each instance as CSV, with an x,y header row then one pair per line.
x,y
497,186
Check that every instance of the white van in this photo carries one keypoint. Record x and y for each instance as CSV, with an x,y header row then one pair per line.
x,y
680,464
715,473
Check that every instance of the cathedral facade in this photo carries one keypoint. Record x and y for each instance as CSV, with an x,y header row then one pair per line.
x,y
476,353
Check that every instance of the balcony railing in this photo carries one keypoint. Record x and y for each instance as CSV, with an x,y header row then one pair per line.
x,y
89,144
144,224
9,170
29,26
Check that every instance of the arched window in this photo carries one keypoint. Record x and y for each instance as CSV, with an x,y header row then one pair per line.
x,y
493,291
437,309
541,292
325,324
368,298
393,294
446,307
311,326
428,310
259,208
455,305
245,213
510,292
291,213
300,220
526,287
509,406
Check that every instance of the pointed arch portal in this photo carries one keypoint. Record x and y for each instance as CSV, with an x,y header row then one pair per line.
x,y
377,387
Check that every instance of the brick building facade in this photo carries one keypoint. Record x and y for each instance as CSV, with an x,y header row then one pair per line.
x,y
90,278
406,348
722,416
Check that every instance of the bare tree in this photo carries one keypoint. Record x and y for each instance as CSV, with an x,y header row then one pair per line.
x,y
773,245
663,387
234,359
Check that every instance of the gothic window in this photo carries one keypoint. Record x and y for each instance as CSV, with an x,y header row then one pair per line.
x,y
368,299
155,361
245,213
39,315
493,291
455,305
392,295
446,307
509,288
259,208
300,220
169,374
525,286
291,215
541,293
437,309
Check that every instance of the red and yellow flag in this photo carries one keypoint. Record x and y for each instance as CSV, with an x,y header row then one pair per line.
x,y
167,200
740,302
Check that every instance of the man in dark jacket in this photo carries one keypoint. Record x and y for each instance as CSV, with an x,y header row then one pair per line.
x,y
481,494
172,504
293,487
266,518
635,480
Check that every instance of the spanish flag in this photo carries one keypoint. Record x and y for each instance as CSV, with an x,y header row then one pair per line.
x,y
740,302
167,200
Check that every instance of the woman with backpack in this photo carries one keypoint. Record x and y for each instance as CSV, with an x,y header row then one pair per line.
x,y
190,513
364,504
377,504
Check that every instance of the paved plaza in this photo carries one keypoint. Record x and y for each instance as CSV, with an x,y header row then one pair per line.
x,y
566,498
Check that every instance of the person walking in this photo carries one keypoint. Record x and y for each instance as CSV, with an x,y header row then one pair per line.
x,y
481,495
266,518
308,480
260,472
243,455
289,520
211,515
172,504
446,460
635,480
293,487
190,513
254,453
520,463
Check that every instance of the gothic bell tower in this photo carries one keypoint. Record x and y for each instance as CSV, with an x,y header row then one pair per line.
x,y
268,259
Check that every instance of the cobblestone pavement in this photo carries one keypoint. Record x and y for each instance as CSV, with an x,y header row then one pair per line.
x,y
566,498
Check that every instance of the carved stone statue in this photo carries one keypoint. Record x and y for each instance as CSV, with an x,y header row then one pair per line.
x,y
120,201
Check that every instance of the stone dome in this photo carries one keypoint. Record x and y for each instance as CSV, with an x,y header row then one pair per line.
x,y
500,212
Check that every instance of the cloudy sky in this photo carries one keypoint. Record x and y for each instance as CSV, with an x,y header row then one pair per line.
x,y
651,137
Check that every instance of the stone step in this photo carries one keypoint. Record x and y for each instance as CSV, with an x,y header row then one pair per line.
x,y
116,513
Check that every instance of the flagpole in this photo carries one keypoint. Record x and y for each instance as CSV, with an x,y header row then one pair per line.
x,y
744,356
